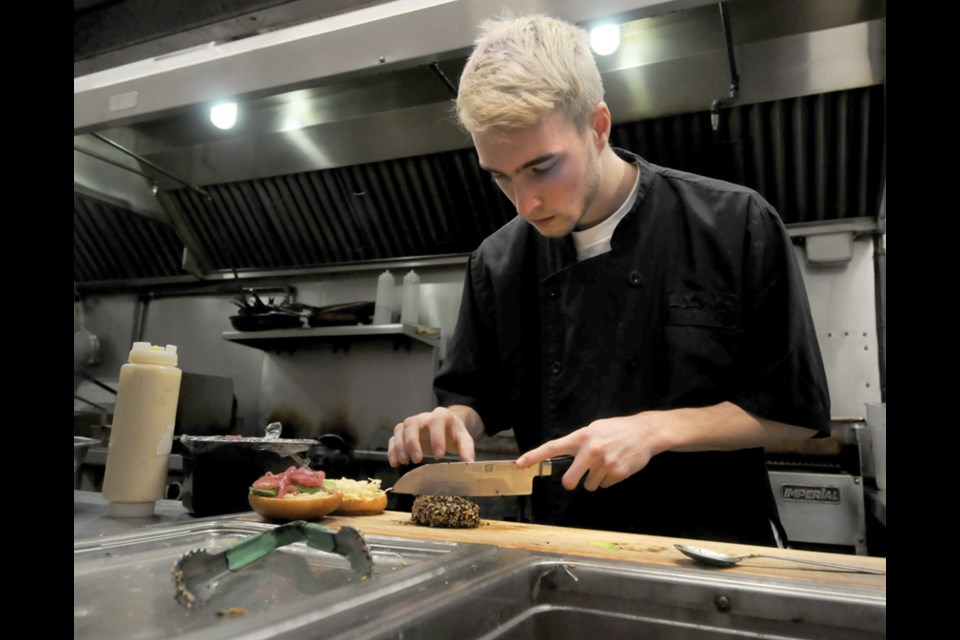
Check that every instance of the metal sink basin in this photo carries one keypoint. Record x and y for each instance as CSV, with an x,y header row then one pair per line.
x,y
558,599
123,586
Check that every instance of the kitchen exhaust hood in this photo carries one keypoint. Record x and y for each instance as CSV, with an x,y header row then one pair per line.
x,y
345,149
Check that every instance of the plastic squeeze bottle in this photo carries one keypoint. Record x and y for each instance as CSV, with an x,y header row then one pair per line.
x,y
383,305
141,437
410,307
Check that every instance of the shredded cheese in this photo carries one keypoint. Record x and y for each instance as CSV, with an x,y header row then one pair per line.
x,y
355,489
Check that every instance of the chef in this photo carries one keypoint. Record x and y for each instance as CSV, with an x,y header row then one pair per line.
x,y
649,322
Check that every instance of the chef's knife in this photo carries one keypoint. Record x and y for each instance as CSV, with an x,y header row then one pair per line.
x,y
485,478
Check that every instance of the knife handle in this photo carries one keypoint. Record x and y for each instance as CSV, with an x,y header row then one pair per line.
x,y
555,466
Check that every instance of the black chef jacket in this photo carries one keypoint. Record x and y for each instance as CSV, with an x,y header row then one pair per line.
x,y
699,301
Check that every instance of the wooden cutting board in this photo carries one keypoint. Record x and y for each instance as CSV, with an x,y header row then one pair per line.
x,y
623,547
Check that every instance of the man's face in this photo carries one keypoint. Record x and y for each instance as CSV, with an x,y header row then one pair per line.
x,y
549,171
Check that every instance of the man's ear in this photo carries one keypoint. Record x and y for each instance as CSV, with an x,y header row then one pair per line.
x,y
602,121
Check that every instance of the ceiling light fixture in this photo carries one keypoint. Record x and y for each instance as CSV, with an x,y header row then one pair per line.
x,y
605,39
224,115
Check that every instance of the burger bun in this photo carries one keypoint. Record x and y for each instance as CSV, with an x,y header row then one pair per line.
x,y
363,506
303,506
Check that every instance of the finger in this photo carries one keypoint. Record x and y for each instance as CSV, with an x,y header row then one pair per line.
x,y
465,446
392,457
618,473
408,438
594,479
609,480
550,449
578,468
396,446
437,430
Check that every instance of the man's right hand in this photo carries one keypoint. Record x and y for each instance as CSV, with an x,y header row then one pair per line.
x,y
443,430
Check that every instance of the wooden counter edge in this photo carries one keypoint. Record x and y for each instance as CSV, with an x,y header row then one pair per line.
x,y
621,547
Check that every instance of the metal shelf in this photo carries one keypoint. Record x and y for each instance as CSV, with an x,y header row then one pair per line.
x,y
287,338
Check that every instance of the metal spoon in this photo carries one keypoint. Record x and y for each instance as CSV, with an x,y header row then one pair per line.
x,y
717,559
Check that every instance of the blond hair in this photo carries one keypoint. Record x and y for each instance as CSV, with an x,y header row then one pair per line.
x,y
523,68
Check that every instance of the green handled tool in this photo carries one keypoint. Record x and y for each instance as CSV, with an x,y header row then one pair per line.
x,y
197,572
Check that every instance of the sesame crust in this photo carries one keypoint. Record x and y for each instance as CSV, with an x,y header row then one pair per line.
x,y
452,512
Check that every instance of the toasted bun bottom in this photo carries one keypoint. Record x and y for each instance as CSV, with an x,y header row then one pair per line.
x,y
305,508
363,506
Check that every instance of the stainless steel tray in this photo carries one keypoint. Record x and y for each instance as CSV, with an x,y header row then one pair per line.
x,y
123,587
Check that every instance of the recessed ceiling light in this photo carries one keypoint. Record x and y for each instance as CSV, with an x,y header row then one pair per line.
x,y
224,115
605,39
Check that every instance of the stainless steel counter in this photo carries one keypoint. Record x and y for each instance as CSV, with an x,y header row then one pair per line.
x,y
90,519
429,584
123,584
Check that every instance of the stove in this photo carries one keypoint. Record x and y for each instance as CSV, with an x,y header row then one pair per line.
x,y
819,489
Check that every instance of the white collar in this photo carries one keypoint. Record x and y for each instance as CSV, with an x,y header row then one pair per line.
x,y
596,240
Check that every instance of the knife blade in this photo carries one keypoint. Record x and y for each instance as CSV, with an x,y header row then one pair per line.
x,y
484,478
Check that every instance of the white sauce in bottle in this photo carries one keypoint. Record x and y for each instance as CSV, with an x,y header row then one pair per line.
x,y
141,437
410,306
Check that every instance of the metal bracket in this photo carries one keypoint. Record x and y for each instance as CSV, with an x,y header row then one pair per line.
x,y
734,92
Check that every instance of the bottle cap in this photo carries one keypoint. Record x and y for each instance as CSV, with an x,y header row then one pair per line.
x,y
146,353
131,509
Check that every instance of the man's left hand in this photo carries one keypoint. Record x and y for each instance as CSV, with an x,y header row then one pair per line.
x,y
607,450
612,449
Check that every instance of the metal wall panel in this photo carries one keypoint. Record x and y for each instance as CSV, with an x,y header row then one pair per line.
x,y
843,305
